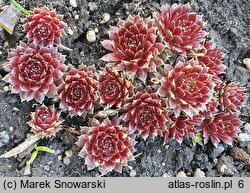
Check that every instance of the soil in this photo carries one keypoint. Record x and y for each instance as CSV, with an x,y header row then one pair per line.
x,y
228,24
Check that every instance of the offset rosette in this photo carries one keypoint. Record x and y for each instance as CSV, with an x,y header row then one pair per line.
x,y
106,145
44,26
222,127
146,114
135,47
187,87
45,121
181,28
34,71
114,88
78,92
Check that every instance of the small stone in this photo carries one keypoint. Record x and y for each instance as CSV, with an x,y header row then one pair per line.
x,y
105,18
73,3
70,31
6,88
92,6
15,109
47,168
244,137
246,61
90,36
4,138
217,152
11,128
226,166
59,157
132,173
158,151
181,174
69,153
66,160
27,170
199,173
163,164
77,16
247,127
166,175
240,154
248,148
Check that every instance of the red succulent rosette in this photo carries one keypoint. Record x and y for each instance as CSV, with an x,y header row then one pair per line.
x,y
78,92
44,26
211,57
114,88
232,97
211,108
45,121
34,71
146,114
181,28
135,47
187,87
106,145
222,126
182,127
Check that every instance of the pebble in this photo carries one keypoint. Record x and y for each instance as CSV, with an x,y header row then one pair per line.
x,y
70,31
132,173
11,128
181,174
91,36
105,18
77,16
246,61
226,166
27,170
15,109
199,173
217,152
248,148
247,127
6,88
73,3
69,153
244,137
47,168
92,6
59,157
66,160
4,138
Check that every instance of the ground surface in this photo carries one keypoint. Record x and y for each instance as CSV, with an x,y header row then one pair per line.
x,y
227,23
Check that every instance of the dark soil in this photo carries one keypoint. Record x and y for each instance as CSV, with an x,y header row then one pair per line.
x,y
228,23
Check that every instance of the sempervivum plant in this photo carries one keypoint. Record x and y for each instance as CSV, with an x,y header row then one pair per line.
x,y
78,92
182,127
222,126
181,28
187,87
146,114
45,121
44,26
210,56
135,47
232,97
106,145
34,71
114,88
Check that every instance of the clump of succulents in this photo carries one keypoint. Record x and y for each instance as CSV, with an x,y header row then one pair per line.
x,y
162,78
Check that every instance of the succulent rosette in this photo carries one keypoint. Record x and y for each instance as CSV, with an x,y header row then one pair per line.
x,y
34,71
135,47
211,108
78,92
45,121
182,127
211,57
222,127
44,26
106,145
232,97
187,87
114,88
181,28
146,114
